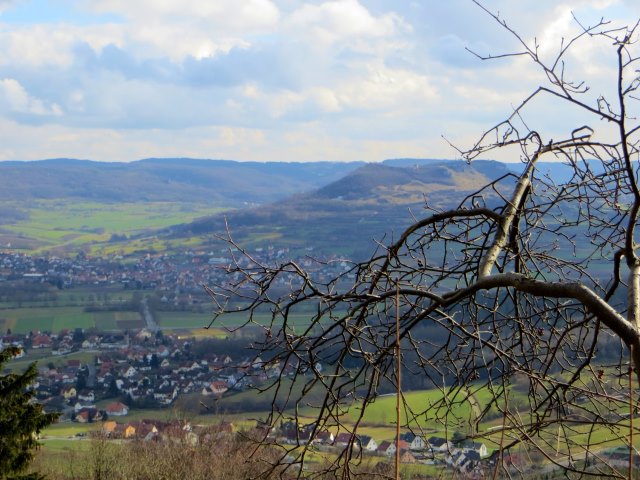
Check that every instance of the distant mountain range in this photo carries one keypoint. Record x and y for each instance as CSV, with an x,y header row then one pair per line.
x,y
347,216
325,206
219,182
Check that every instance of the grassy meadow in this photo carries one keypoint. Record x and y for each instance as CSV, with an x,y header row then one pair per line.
x,y
64,440
67,225
54,319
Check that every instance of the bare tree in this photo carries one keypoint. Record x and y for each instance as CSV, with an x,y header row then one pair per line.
x,y
531,283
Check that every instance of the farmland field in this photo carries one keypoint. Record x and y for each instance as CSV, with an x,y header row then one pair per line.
x,y
23,320
379,423
182,319
60,224
54,319
228,321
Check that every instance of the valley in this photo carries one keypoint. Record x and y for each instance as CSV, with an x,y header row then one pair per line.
x,y
103,285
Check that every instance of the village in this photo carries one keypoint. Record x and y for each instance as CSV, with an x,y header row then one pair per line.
x,y
175,276
468,457
153,367
143,369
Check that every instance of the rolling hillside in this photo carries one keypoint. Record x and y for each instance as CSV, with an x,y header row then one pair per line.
x,y
63,205
215,182
347,216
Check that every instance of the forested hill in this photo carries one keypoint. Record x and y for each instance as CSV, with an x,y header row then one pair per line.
x,y
348,215
217,182
64,205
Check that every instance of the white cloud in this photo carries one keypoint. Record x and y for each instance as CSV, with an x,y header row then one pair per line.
x,y
281,79
191,27
386,88
228,14
18,100
53,45
341,20
6,4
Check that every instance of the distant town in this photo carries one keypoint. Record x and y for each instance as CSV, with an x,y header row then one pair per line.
x,y
148,366
177,277
148,370
152,368
141,368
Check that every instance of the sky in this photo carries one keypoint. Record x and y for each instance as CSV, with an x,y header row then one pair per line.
x,y
279,80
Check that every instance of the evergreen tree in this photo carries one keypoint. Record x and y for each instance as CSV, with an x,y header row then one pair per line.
x,y
21,419
154,362
113,388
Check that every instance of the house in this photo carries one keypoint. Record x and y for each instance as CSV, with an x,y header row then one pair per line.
x,y
215,388
144,334
296,437
87,396
416,442
128,372
90,342
69,393
471,446
455,459
109,426
78,406
74,364
439,445
473,456
367,443
386,448
144,430
463,461
165,395
403,445
82,417
124,431
41,341
89,414
407,457
98,415
117,409
344,439
324,437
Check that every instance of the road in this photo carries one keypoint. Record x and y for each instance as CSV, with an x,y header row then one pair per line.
x,y
147,316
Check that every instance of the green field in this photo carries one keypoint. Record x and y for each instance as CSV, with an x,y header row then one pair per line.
x,y
417,411
43,357
189,320
185,320
54,319
22,320
379,422
59,224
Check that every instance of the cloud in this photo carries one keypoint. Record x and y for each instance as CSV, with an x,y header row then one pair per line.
x,y
7,4
261,77
228,14
43,46
191,27
17,100
338,21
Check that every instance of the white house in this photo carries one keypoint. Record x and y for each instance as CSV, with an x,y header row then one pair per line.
x,y
117,409
416,442
479,448
439,445
367,443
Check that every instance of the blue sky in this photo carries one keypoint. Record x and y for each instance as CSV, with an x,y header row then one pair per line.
x,y
118,80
